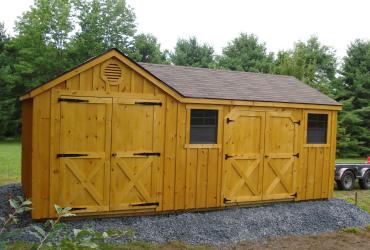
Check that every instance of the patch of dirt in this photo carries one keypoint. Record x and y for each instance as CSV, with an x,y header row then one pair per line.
x,y
334,240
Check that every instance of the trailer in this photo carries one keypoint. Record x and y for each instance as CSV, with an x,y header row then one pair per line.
x,y
346,175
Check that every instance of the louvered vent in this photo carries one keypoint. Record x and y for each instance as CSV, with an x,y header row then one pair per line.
x,y
112,73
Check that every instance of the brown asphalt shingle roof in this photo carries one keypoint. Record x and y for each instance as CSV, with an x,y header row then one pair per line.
x,y
236,85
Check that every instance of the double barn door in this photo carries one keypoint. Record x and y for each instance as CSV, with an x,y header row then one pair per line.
x,y
260,155
109,153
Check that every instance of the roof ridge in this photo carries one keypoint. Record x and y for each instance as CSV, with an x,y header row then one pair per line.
x,y
217,70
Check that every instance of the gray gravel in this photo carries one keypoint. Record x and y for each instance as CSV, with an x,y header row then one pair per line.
x,y
223,226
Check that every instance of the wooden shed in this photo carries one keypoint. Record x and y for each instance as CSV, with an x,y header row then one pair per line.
x,y
112,136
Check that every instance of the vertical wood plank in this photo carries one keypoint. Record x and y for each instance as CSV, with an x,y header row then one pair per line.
x,y
333,146
148,87
212,172
86,82
318,172
191,177
325,173
40,156
98,83
170,155
202,178
311,160
158,146
180,180
27,109
73,83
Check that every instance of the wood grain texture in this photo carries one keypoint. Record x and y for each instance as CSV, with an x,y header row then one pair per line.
x,y
40,155
185,176
27,111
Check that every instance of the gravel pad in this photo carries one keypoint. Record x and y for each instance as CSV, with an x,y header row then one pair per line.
x,y
217,227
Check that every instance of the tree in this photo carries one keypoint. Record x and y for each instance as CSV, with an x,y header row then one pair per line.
x,y
189,52
7,100
310,62
103,24
43,33
354,125
147,49
36,54
246,53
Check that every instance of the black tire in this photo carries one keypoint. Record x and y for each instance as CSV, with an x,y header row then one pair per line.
x,y
365,181
347,181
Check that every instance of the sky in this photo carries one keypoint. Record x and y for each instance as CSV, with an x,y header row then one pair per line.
x,y
278,23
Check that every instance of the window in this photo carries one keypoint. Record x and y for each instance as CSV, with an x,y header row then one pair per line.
x,y
317,128
203,126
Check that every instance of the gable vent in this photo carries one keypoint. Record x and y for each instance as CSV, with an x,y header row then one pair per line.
x,y
112,73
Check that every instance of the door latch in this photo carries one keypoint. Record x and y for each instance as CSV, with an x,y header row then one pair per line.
x,y
145,204
228,156
70,155
228,120
148,154
149,103
296,155
71,100
226,200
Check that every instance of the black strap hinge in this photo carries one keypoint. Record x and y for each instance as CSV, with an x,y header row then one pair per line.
x,y
295,194
70,155
149,103
145,204
71,100
296,155
297,122
228,156
228,120
148,154
226,200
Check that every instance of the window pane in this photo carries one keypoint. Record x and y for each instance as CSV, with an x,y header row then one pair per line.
x,y
317,128
203,126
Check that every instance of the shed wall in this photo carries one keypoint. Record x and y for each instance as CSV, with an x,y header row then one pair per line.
x,y
192,174
27,111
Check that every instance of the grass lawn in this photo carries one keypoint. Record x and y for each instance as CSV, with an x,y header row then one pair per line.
x,y
10,164
10,161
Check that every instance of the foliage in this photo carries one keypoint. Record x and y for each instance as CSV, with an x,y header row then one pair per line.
x,y
354,94
18,205
7,100
147,49
103,25
246,53
50,235
353,230
54,226
189,52
310,62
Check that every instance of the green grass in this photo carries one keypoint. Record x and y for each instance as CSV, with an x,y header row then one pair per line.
x,y
351,160
353,230
363,197
10,161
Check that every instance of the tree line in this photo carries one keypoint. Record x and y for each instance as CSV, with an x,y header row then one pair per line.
x,y
55,35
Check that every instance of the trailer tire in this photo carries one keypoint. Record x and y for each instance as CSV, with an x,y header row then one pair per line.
x,y
347,181
365,181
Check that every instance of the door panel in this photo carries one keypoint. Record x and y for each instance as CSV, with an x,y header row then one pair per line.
x,y
135,154
84,157
279,164
244,142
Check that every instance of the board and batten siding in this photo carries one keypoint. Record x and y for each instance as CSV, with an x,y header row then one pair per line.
x,y
191,175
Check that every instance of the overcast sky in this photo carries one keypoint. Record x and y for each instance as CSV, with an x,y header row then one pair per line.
x,y
278,23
